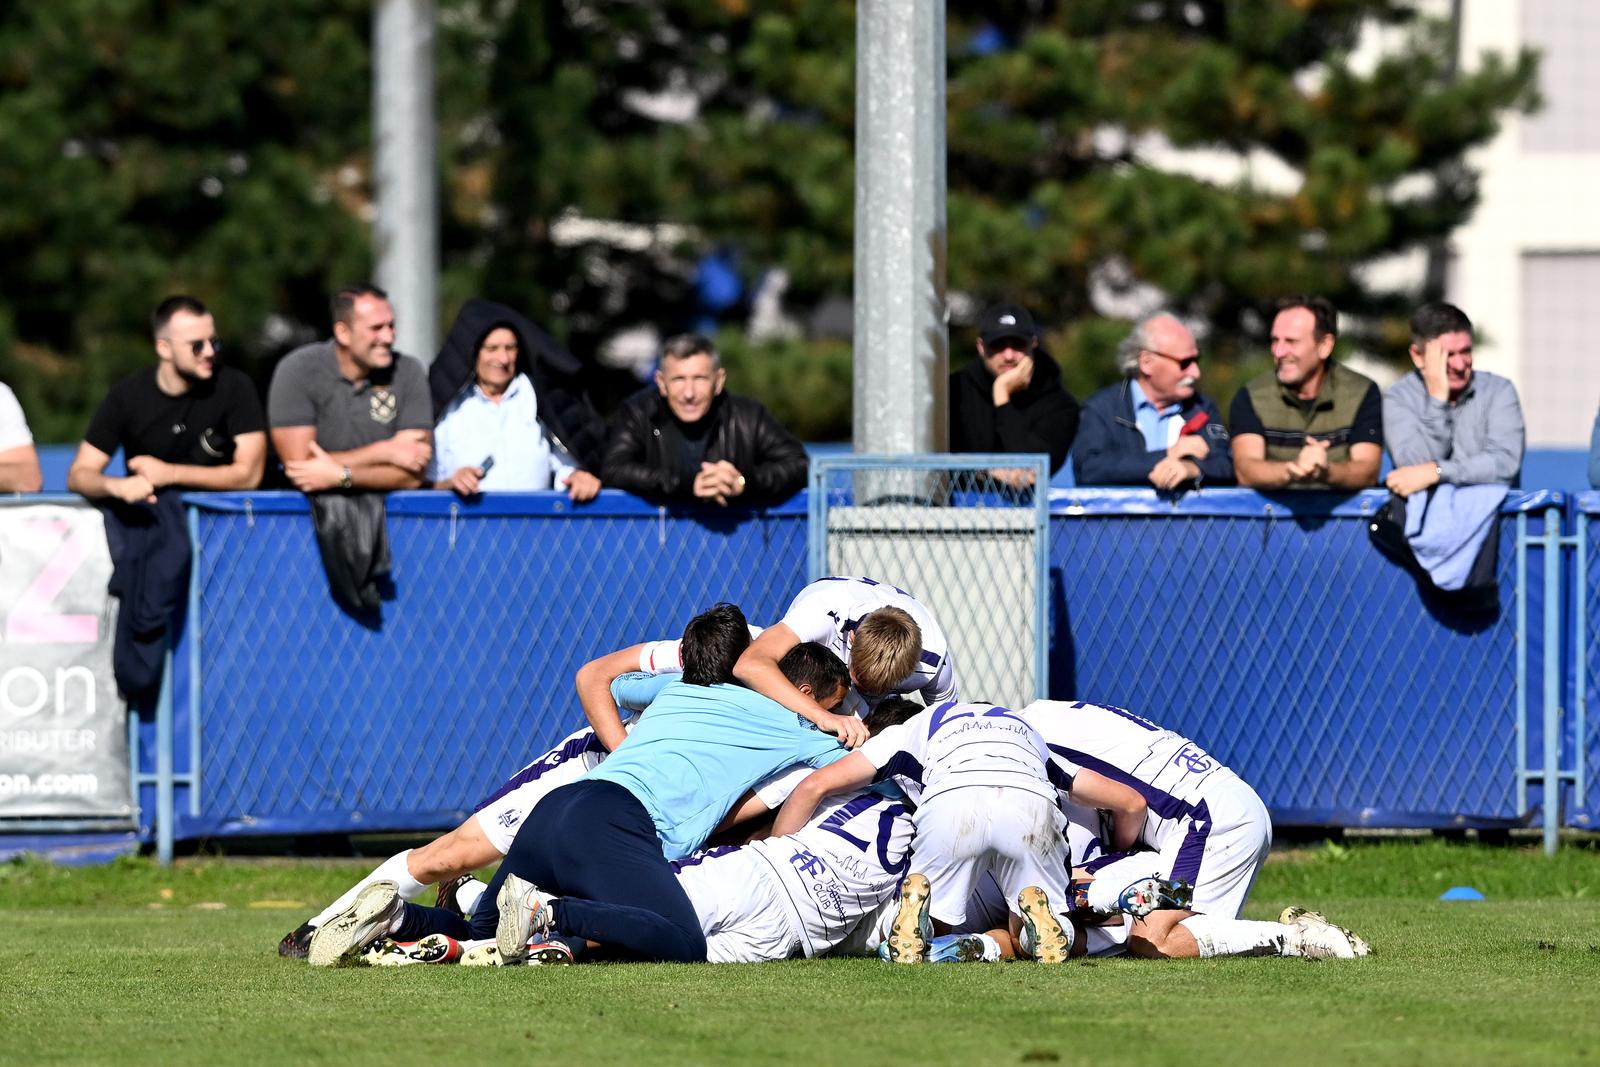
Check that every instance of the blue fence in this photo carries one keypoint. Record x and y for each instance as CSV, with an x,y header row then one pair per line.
x,y
1267,627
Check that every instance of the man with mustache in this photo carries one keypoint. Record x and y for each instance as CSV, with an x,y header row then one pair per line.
x,y
1155,426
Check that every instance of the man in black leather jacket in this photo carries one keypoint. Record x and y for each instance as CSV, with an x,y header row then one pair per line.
x,y
689,440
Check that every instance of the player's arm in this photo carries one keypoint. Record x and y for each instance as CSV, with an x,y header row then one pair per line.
x,y
87,478
758,669
851,772
1127,807
244,472
594,693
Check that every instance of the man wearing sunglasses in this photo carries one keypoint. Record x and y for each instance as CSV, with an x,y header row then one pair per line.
x,y
187,422
1010,399
1154,427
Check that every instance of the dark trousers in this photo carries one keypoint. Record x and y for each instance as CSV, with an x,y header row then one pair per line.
x,y
591,844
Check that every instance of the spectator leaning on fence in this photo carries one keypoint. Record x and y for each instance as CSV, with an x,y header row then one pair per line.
x,y
689,440
187,422
1312,423
1445,423
512,415
1155,427
350,412
19,462
1010,399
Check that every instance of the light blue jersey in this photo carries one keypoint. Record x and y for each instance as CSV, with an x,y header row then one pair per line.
x,y
699,749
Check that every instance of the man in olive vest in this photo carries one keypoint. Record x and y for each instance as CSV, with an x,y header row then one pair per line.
x,y
1313,423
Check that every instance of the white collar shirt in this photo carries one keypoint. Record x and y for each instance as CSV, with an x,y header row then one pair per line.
x,y
474,428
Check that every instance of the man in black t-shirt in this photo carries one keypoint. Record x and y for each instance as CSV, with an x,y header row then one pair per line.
x,y
186,422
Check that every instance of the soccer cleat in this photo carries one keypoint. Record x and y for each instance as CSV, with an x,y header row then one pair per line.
x,y
434,948
1322,940
547,954
297,942
524,912
357,926
963,948
1294,911
1154,894
1046,938
481,954
911,930
447,893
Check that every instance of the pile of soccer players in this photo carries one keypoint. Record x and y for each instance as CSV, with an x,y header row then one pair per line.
x,y
745,794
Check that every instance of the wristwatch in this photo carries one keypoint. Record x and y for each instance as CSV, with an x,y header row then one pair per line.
x,y
345,481
1438,472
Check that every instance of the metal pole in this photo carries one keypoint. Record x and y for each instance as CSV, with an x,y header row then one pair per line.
x,y
405,234
901,338
1552,680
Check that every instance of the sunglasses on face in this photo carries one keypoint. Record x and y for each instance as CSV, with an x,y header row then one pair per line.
x,y
198,347
1183,362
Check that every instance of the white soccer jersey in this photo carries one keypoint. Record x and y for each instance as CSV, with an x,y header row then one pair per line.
x,y
1168,769
952,745
666,657
828,612
829,878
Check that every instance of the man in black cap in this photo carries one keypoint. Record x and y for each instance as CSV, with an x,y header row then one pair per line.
x,y
1011,399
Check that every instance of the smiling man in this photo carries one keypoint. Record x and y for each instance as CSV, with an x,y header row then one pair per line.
x,y
1312,423
1155,427
187,422
690,440
1445,422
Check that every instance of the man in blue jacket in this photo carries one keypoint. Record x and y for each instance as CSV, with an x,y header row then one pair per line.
x,y
1154,427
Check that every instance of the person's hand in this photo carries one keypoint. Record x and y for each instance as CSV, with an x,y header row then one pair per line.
x,y
1311,464
732,480
1013,380
316,473
134,489
1413,478
708,485
409,450
851,731
465,481
1015,477
582,487
1435,372
152,470
1189,446
1171,473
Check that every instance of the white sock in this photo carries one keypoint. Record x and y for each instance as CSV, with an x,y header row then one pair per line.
x,y
1241,937
392,869
468,894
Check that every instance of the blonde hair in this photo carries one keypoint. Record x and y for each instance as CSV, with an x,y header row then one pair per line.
x,y
887,647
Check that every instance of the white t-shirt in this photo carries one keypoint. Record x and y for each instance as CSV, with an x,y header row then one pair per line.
x,y
828,612
1168,769
952,746
13,426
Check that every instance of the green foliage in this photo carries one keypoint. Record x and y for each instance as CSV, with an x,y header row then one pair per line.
x,y
223,148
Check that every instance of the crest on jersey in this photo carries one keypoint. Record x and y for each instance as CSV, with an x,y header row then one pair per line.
x,y
382,406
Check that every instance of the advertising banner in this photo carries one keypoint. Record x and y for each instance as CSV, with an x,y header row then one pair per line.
x,y
63,728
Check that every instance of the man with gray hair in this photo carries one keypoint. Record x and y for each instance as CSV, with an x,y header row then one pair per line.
x,y
1154,426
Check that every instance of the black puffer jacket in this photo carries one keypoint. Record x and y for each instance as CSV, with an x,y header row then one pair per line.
x,y
644,461
565,412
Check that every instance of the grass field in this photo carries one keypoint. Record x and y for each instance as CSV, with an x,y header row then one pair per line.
x,y
133,964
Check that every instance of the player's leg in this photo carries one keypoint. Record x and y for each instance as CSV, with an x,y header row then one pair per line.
x,y
1031,864
947,862
736,899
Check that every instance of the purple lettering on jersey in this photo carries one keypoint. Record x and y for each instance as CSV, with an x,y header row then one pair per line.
x,y
942,717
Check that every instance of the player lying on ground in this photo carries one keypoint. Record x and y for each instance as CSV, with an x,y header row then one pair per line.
x,y
1203,825
889,640
485,835
590,865
984,803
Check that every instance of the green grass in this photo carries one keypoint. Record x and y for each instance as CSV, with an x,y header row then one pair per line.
x,y
132,964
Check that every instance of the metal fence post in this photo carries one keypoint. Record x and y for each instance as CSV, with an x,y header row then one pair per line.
x,y
164,763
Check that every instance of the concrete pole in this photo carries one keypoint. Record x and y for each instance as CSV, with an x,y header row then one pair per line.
x,y
406,220
902,340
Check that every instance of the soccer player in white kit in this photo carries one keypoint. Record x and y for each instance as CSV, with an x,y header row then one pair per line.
x,y
1206,826
978,776
889,640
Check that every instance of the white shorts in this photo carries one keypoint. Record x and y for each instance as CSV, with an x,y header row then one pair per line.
x,y
501,815
986,910
1011,833
739,910
1219,854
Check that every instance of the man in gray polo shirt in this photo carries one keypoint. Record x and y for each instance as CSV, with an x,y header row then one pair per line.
x,y
1445,423
350,412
